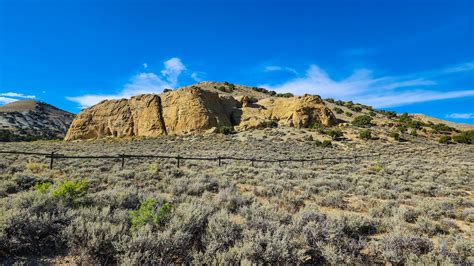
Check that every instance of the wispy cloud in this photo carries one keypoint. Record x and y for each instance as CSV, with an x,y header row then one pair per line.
x,y
198,76
365,87
8,97
461,115
280,68
469,66
146,82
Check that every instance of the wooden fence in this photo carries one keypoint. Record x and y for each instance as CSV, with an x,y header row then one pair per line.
x,y
52,156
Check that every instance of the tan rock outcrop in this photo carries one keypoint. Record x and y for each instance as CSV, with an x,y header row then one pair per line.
x,y
193,110
139,116
294,112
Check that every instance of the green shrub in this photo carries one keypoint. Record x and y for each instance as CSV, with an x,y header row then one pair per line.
x,y
442,128
395,135
356,108
338,110
42,187
335,134
323,144
269,124
330,100
362,121
154,168
403,118
285,95
70,191
263,90
349,104
150,212
319,127
349,114
413,132
466,137
365,134
226,130
388,114
402,128
372,113
415,124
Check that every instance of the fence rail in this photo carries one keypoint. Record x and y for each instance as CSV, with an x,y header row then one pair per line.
x,y
122,157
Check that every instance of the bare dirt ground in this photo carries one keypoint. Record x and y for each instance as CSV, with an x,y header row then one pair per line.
x,y
407,207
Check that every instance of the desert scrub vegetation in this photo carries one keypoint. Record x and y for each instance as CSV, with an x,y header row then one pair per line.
x,y
226,130
365,134
403,208
362,121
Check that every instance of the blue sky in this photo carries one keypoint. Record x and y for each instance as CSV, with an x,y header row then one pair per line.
x,y
408,56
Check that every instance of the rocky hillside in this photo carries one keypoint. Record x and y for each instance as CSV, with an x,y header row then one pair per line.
x,y
208,107
198,108
31,120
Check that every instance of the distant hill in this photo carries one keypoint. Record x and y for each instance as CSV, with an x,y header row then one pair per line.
x,y
32,120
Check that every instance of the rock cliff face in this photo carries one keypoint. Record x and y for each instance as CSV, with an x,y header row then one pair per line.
x,y
190,110
193,110
293,112
139,116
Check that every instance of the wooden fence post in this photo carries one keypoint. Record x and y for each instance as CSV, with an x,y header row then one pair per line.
x,y
51,162
253,160
219,159
177,158
123,160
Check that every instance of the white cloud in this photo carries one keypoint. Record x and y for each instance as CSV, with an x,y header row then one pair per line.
x,y
145,65
461,115
17,95
5,100
173,68
280,68
198,76
362,86
8,97
410,97
142,83
469,66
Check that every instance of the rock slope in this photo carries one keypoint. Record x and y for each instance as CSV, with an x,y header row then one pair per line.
x,y
29,119
194,110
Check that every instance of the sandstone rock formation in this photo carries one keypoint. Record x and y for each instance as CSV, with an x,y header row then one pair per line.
x,y
194,110
294,112
189,110
139,116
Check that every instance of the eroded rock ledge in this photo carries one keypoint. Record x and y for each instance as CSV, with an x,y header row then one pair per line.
x,y
193,110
